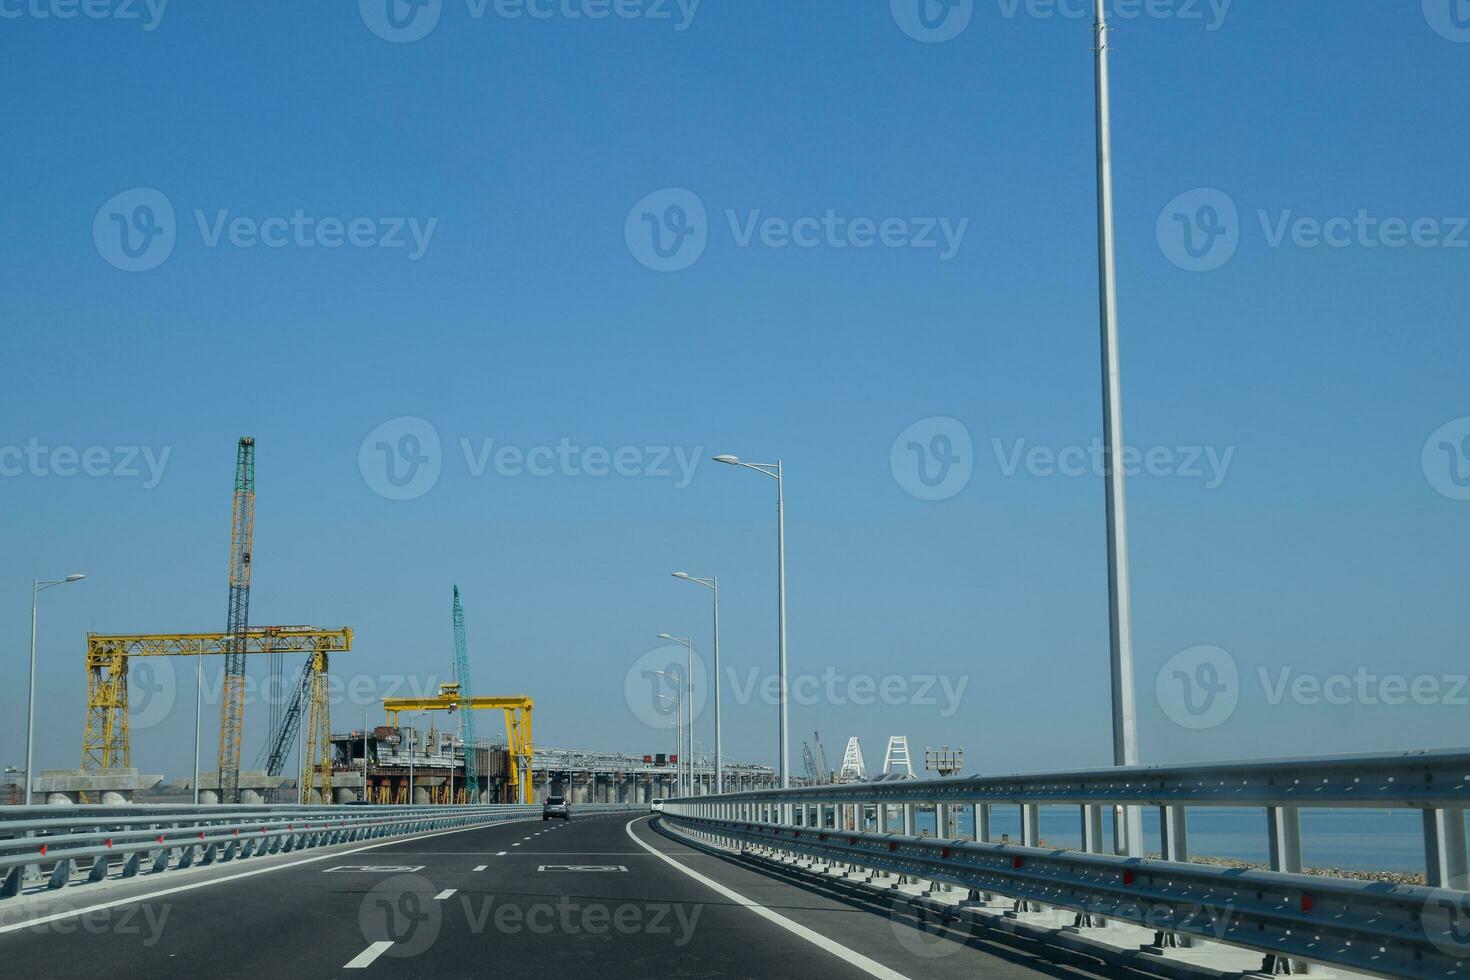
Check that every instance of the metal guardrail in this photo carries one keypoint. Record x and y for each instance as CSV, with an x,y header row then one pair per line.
x,y
1374,927
161,838
1436,783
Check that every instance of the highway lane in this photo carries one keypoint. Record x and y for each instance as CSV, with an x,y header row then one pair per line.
x,y
605,894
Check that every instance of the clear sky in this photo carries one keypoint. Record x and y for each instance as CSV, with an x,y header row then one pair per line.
x,y
492,188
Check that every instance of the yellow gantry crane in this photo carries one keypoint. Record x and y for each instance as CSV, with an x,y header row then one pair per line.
x,y
517,725
106,742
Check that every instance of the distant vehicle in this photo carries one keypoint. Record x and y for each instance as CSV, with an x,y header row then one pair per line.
x,y
656,806
556,806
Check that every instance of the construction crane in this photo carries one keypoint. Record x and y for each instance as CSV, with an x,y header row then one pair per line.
x,y
809,762
106,741
815,760
466,712
283,731
517,725
237,622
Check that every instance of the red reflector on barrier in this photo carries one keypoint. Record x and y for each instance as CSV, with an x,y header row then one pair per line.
x,y
944,852
108,842
43,850
1018,862
1128,877
1306,903
852,842
160,838
201,835
893,845
821,837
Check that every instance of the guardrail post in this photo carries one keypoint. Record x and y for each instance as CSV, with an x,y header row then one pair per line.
x,y
1030,825
1444,848
1092,828
1284,829
1174,840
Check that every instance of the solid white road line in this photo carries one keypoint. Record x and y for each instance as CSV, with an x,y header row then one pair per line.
x,y
868,966
445,894
366,957
132,900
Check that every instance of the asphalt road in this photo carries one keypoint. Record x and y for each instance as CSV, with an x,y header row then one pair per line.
x,y
600,895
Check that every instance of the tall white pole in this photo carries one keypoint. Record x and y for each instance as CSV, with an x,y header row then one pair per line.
x,y
198,711
1128,830
689,728
364,751
781,618
31,698
719,755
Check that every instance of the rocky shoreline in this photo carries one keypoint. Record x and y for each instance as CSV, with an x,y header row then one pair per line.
x,y
1390,877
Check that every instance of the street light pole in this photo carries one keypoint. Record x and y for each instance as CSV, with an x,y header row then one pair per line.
x,y
37,587
677,724
1128,832
713,584
775,471
198,710
364,752
688,766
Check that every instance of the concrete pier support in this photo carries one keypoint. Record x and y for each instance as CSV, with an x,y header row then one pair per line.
x,y
113,786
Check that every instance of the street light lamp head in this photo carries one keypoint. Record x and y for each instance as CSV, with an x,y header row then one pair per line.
x,y
665,636
681,575
75,577
732,460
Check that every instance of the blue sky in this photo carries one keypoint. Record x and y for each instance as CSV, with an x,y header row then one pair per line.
x,y
527,152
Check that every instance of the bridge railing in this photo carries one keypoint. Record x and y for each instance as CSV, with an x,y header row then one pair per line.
x,y
1375,927
154,839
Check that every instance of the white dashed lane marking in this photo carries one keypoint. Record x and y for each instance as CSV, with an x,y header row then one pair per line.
x,y
444,894
365,959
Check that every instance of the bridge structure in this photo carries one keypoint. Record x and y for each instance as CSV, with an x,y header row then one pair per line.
x,y
889,878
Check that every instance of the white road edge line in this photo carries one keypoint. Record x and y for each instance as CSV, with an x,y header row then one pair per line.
x,y
103,906
445,894
868,966
365,959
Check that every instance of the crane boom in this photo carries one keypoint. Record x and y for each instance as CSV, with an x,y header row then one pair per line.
x,y
284,737
237,623
466,699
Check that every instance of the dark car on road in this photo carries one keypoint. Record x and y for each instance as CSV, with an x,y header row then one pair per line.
x,y
556,806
